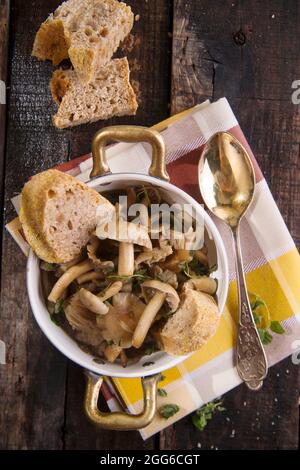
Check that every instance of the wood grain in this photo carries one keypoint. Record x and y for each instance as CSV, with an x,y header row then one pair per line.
x,y
32,386
4,28
48,410
153,47
241,50
246,51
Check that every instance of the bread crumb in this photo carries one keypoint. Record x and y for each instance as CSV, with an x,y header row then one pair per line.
x,y
137,17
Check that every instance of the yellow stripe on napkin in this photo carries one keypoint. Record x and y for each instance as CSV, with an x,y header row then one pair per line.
x,y
276,282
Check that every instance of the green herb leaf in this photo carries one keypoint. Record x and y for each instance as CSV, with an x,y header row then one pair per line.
x,y
58,312
161,392
257,318
276,327
169,410
194,268
265,336
48,266
256,304
150,348
205,413
139,275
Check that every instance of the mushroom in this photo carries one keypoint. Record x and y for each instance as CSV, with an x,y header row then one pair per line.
x,y
156,255
201,257
112,290
79,317
174,262
126,302
67,278
104,265
156,293
90,276
203,284
117,327
112,351
167,276
128,234
92,302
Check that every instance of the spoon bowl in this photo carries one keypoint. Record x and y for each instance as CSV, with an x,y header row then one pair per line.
x,y
227,184
226,178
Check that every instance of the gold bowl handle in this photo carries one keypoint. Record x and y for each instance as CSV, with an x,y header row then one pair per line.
x,y
120,420
129,134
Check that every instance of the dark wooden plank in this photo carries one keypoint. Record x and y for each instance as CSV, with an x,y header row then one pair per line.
x,y
32,384
265,420
150,61
4,28
248,52
149,55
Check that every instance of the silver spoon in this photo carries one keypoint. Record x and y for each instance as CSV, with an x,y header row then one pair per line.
x,y
227,182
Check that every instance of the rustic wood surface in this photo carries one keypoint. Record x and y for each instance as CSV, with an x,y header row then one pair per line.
x,y
184,52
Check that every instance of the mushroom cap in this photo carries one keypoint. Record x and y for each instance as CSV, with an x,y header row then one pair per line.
x,y
123,231
149,288
154,255
204,284
92,247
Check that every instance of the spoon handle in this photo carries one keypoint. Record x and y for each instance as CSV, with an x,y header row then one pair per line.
x,y
251,360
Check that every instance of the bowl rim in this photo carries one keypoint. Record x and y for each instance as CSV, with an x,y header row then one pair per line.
x,y
170,361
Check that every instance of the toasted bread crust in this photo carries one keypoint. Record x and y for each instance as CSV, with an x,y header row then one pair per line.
x,y
48,204
86,31
110,94
194,323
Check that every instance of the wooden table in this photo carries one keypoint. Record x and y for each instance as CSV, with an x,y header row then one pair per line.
x,y
185,52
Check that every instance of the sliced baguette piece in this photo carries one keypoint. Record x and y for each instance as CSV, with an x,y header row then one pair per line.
x,y
86,31
109,94
59,213
191,326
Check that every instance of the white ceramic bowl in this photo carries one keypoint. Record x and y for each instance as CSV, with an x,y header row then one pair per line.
x,y
65,343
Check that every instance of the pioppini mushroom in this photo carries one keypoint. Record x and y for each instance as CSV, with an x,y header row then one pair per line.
x,y
114,327
112,290
105,266
126,302
79,317
90,276
127,234
111,352
155,255
67,278
156,293
203,284
92,302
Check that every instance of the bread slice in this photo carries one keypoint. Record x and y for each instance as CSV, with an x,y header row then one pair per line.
x,y
109,94
194,323
86,31
59,213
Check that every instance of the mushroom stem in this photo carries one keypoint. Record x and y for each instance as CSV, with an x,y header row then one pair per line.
x,y
147,318
126,259
111,291
92,302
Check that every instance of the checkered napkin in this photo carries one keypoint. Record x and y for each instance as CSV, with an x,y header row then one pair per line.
x,y
271,262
